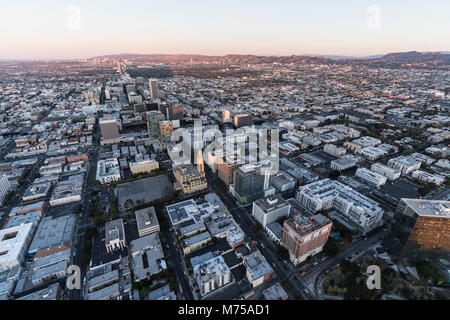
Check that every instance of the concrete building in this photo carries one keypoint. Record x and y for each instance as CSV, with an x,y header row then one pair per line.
x,y
305,235
13,245
108,171
165,130
275,292
370,177
226,168
52,292
5,188
110,130
153,119
351,205
52,231
189,180
143,164
114,235
270,209
212,275
153,86
425,229
426,177
147,222
258,270
195,242
282,181
242,120
405,164
389,172
251,182
147,256
344,162
334,150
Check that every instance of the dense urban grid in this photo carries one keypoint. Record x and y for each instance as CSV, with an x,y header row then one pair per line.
x,y
90,176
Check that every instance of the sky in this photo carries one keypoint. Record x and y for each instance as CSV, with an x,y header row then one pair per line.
x,y
61,29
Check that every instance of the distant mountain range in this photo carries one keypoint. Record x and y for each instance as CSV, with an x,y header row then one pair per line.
x,y
393,60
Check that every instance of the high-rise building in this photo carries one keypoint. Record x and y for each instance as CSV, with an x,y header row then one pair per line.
x,y
200,163
110,130
242,120
270,209
226,169
153,118
304,234
166,130
189,180
153,85
251,182
5,188
173,112
424,228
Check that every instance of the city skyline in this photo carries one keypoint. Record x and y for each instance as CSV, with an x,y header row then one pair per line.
x,y
79,30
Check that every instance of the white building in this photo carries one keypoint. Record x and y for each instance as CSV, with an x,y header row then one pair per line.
x,y
114,235
405,164
427,177
344,162
351,205
270,209
5,188
212,274
371,177
13,245
389,172
108,171
334,150
372,153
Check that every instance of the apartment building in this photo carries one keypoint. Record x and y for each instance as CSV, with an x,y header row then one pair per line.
x,y
370,177
389,172
348,203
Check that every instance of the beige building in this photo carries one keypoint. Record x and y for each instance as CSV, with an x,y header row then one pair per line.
x,y
147,165
189,180
165,129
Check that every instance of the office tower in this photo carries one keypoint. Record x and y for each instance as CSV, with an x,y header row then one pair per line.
x,y
153,118
423,229
173,112
165,130
270,209
110,130
226,116
153,85
251,181
304,234
189,180
5,188
242,120
227,167
200,163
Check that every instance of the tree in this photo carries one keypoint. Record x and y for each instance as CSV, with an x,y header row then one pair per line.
x,y
335,174
330,248
283,253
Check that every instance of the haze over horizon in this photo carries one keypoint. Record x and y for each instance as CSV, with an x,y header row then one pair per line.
x,y
81,29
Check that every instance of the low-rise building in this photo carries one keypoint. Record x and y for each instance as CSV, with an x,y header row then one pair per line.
x,y
389,172
212,275
370,177
270,209
258,270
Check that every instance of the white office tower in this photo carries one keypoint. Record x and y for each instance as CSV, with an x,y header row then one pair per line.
x,y
153,85
5,188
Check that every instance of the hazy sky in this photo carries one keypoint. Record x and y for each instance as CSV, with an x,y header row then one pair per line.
x,y
39,29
